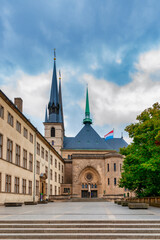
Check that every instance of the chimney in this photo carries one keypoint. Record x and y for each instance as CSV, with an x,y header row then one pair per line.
x,y
19,103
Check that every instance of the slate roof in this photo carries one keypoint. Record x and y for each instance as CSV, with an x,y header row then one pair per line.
x,y
117,143
89,139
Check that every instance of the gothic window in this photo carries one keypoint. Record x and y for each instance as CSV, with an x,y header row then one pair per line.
x,y
108,181
107,167
114,167
52,132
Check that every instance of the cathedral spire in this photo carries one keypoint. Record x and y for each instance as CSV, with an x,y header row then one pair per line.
x,y
54,88
87,118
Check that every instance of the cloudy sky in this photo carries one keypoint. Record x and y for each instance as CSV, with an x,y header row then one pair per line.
x,y
111,45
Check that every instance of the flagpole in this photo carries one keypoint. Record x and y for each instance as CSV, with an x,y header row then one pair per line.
x,y
113,132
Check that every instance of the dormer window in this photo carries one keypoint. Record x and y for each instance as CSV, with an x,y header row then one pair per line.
x,y
52,132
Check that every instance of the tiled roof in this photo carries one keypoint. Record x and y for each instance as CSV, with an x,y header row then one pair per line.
x,y
88,138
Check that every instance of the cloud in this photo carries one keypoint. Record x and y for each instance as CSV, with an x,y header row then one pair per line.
x,y
34,90
118,60
111,105
116,105
149,62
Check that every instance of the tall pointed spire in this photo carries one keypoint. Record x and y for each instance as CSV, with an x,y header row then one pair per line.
x,y
60,100
54,88
53,105
87,118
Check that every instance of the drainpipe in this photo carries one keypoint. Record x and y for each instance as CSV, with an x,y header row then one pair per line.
x,y
49,163
34,169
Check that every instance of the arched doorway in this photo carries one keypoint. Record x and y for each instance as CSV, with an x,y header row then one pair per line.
x,y
43,183
89,182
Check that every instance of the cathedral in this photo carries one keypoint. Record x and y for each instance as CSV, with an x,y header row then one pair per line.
x,y
92,165
34,167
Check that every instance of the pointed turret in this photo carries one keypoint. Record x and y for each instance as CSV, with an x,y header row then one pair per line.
x,y
87,118
60,100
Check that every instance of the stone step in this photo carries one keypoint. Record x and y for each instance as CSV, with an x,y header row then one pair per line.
x,y
80,236
78,230
80,221
154,225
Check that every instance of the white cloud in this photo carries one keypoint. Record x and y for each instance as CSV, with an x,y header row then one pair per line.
x,y
149,62
118,60
116,105
111,104
34,90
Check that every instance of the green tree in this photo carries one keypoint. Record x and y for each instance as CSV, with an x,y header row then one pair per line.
x,y
141,167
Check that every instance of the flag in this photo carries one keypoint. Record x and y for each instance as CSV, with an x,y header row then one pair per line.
x,y
109,135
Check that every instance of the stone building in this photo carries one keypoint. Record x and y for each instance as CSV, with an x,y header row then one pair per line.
x,y
29,165
92,165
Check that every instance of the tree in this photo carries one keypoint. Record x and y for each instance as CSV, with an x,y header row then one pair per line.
x,y
141,167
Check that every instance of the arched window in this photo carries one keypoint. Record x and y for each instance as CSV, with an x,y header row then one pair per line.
x,y
52,132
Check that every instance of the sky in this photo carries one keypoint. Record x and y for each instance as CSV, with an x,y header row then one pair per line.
x,y
111,45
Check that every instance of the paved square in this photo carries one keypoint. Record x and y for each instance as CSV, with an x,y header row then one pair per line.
x,y
77,211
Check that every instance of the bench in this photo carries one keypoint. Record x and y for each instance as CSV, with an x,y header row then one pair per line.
x,y
138,205
30,203
13,204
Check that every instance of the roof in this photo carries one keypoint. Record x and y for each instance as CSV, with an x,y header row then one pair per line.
x,y
117,143
89,139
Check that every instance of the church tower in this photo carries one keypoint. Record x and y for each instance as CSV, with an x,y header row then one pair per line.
x,y
54,124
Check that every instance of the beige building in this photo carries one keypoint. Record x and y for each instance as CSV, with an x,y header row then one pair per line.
x,y
33,167
29,165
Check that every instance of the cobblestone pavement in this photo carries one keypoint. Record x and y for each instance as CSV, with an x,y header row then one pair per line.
x,y
77,211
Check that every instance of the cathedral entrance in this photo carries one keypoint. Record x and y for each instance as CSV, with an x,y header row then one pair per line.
x,y
89,182
86,194
94,194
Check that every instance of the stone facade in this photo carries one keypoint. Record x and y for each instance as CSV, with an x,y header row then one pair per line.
x,y
104,171
57,140
25,158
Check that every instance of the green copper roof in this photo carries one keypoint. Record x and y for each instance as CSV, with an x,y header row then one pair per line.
x,y
87,118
